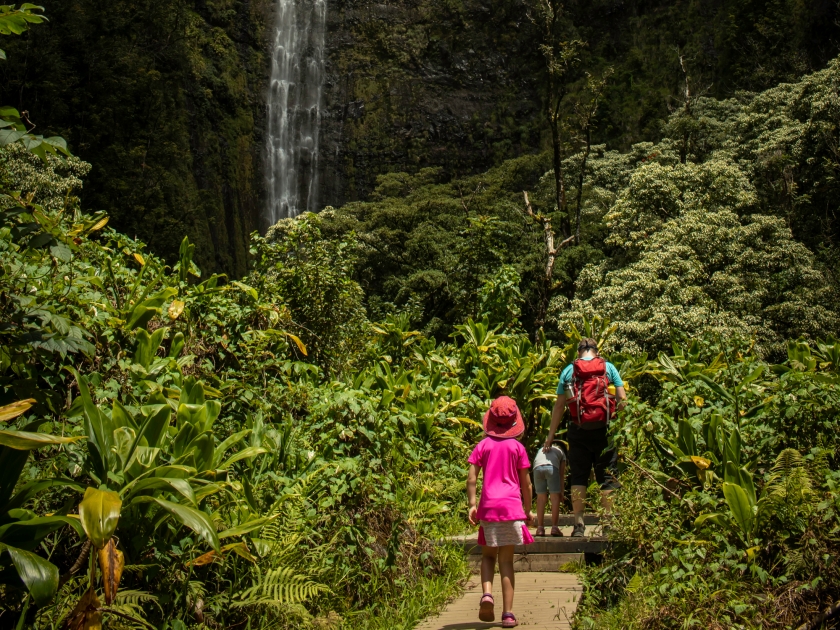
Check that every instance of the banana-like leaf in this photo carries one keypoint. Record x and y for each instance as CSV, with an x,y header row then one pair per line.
x,y
196,520
100,512
245,453
150,484
740,477
718,519
38,575
27,441
685,440
202,446
8,412
715,387
121,417
739,505
226,444
154,426
246,528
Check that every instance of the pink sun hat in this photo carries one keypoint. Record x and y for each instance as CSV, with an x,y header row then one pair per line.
x,y
503,419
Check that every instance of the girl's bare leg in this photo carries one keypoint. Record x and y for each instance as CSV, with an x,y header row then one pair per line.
x,y
488,567
541,501
506,572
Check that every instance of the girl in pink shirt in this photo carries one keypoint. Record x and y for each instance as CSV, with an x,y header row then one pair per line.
x,y
505,507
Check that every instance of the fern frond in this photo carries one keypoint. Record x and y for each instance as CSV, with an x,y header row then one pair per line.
x,y
279,587
135,597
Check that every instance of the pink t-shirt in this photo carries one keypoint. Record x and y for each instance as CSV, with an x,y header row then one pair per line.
x,y
501,460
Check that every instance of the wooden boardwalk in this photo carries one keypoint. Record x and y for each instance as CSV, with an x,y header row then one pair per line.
x,y
543,601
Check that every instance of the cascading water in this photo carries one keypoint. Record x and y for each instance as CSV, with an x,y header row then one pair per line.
x,y
294,108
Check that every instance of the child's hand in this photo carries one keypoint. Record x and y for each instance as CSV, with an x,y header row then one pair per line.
x,y
532,518
473,515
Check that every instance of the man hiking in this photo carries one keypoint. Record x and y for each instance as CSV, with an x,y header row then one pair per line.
x,y
585,386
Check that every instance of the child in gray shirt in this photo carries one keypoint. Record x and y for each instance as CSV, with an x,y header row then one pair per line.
x,y
549,477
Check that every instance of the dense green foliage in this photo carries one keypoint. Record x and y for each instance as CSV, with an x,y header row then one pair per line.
x,y
728,513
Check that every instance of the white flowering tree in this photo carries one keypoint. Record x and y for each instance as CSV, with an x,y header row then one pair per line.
x,y
694,255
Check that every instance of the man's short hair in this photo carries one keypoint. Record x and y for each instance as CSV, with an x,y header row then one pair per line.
x,y
587,343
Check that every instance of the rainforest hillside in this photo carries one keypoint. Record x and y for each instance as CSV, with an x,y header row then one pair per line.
x,y
166,99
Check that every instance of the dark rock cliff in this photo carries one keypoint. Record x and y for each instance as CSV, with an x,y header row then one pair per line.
x,y
418,83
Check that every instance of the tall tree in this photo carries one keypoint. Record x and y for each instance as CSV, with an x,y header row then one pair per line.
x,y
561,55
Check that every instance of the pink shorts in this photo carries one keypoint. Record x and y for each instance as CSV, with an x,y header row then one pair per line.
x,y
503,533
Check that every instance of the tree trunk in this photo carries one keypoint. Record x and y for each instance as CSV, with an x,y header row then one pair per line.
x,y
581,176
559,183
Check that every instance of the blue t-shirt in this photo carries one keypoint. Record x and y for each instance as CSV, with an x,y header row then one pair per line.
x,y
566,376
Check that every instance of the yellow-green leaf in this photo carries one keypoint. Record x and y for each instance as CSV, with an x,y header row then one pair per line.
x,y
139,258
7,412
100,512
298,343
26,441
701,462
99,224
175,309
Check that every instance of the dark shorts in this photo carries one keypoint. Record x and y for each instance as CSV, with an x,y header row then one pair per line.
x,y
591,449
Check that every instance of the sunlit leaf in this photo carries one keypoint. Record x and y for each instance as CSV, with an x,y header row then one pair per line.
x,y
15,409
100,512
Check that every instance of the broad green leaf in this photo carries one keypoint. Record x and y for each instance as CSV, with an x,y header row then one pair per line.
x,y
718,519
39,575
246,453
246,528
196,520
739,505
170,484
228,442
685,440
715,388
100,512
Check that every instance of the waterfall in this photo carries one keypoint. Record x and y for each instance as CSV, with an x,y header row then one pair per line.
x,y
294,108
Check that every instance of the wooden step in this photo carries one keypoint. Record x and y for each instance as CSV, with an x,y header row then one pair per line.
x,y
592,542
530,562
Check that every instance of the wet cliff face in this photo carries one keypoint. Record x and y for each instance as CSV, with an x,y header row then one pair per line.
x,y
417,83
166,100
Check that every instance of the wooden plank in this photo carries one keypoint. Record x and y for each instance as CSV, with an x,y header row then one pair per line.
x,y
543,600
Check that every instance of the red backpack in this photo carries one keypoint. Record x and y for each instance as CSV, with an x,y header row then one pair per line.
x,y
590,401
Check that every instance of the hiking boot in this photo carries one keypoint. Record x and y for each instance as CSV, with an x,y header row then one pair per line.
x,y
579,531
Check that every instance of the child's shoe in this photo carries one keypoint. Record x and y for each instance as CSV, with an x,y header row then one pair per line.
x,y
485,608
555,531
509,621
540,531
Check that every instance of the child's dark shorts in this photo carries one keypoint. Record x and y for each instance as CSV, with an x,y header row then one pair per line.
x,y
591,449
